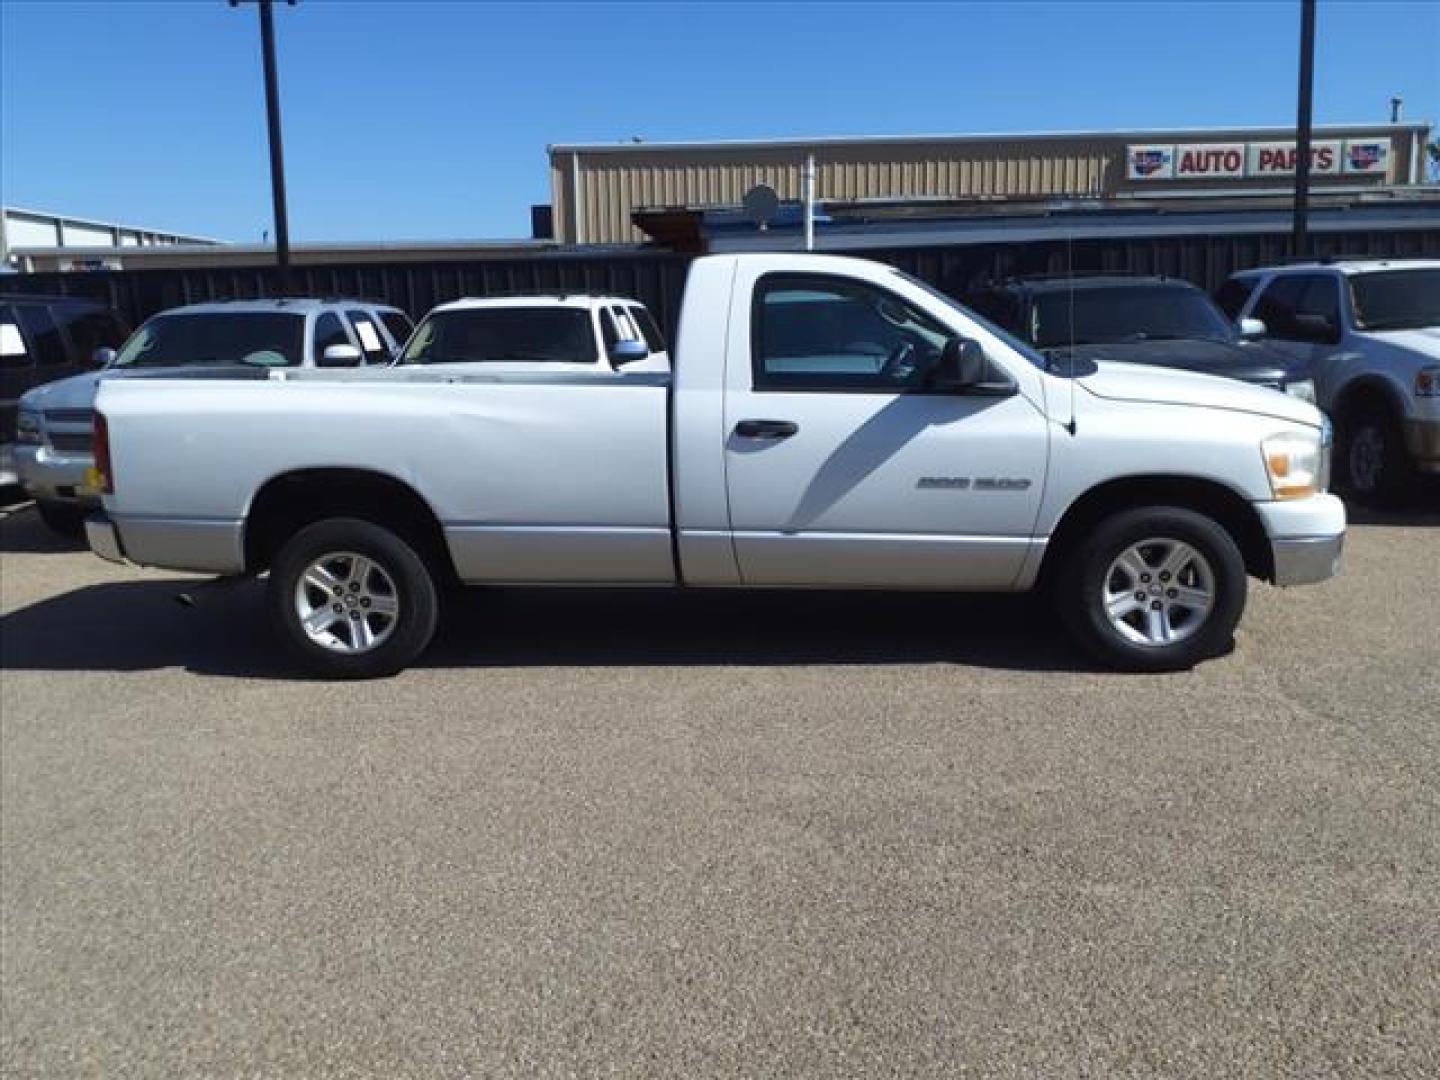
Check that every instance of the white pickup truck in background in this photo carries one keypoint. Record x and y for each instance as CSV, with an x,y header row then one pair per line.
x,y
566,332
831,423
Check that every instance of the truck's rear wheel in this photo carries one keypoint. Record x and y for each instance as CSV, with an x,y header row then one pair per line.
x,y
352,600
1154,589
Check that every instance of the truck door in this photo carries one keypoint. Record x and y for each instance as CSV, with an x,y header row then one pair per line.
x,y
843,470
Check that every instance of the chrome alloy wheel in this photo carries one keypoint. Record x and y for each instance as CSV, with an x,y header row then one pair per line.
x,y
1159,592
346,602
1367,456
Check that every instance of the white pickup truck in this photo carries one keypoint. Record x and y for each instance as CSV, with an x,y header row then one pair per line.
x,y
830,423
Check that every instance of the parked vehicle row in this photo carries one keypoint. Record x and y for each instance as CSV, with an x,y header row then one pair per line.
x,y
53,452
1369,332
829,423
44,338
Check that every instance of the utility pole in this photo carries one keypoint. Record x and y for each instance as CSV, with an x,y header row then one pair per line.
x,y
277,150
1300,243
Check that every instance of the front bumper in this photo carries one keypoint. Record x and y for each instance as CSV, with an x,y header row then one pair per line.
x,y
52,477
1422,439
1306,538
104,540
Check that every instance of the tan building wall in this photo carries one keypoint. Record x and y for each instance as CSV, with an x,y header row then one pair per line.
x,y
615,180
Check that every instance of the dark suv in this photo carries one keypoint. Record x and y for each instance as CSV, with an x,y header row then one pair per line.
x,y
43,338
1138,320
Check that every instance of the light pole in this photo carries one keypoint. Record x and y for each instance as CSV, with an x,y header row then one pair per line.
x,y
277,150
1300,243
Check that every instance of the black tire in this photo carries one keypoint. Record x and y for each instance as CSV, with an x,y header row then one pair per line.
x,y
1087,576
1370,456
67,519
403,575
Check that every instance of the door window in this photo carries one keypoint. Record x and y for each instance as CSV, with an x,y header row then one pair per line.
x,y
13,353
371,343
818,332
1301,307
1231,296
398,325
43,332
92,329
329,330
643,319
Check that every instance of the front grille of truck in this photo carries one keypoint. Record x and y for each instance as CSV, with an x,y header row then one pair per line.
x,y
70,442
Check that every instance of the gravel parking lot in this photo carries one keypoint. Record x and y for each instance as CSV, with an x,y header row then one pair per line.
x,y
644,834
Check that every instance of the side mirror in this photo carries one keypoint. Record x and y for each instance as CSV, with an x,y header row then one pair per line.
x,y
340,356
103,357
1251,329
963,368
627,352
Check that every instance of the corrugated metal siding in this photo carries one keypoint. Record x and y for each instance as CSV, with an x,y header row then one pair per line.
x,y
615,184
658,279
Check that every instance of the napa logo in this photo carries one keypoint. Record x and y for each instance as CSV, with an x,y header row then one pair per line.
x,y
1365,156
1150,162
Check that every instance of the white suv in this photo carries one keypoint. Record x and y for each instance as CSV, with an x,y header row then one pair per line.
x,y
1370,332
52,453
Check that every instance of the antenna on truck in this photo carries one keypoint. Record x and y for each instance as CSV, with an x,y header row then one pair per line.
x,y
1070,311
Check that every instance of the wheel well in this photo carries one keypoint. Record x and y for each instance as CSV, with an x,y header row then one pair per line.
x,y
291,501
1206,497
1362,392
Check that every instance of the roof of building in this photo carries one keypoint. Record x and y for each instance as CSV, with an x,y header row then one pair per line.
x,y
1139,134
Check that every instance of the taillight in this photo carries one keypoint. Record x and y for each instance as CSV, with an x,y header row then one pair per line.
x,y
101,445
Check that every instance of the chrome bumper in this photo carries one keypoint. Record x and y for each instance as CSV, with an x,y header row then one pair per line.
x,y
53,477
1305,560
104,541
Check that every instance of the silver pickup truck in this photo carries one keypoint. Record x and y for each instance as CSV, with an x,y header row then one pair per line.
x,y
830,423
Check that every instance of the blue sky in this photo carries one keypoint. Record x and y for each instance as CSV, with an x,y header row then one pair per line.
x,y
430,120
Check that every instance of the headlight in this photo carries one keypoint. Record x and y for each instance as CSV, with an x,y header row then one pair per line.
x,y
1304,389
27,426
1295,462
1427,381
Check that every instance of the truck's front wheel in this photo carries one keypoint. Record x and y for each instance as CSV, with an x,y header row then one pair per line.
x,y
1154,589
352,600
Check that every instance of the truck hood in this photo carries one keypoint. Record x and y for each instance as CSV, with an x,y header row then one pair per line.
x,y
1171,386
1246,361
78,391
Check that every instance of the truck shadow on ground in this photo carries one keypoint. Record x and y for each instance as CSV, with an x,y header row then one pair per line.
x,y
23,533
139,626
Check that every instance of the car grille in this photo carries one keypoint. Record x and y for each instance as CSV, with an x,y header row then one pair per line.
x,y
70,442
70,416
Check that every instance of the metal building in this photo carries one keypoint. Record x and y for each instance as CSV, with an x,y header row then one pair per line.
x,y
21,228
596,188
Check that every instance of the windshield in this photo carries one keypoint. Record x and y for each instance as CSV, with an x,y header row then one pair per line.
x,y
546,335
1008,338
260,338
1125,314
1396,299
